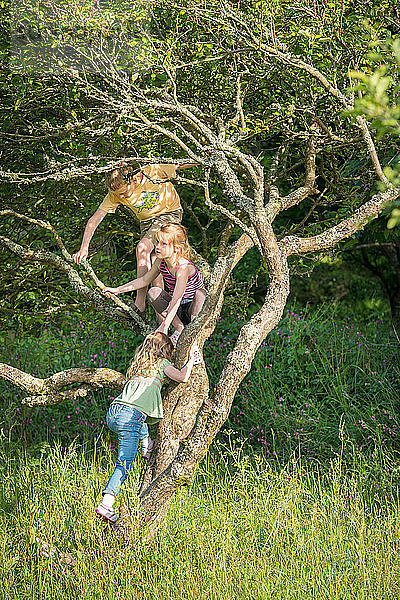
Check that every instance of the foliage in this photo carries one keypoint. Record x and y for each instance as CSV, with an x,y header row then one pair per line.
x,y
379,101
60,124
321,379
375,254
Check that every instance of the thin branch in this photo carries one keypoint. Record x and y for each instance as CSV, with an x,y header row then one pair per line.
x,y
49,311
44,225
221,209
276,203
239,116
306,217
241,30
371,245
85,264
169,134
131,319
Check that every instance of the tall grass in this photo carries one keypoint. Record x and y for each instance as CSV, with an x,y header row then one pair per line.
x,y
241,530
316,380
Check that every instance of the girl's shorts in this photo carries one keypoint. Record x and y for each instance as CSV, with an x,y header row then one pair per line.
x,y
162,301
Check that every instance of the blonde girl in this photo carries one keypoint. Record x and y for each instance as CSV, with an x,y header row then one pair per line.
x,y
184,294
139,403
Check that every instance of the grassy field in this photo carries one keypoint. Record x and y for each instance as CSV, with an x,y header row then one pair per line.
x,y
298,497
243,529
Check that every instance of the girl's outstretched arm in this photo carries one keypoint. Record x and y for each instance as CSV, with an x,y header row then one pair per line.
x,y
135,284
181,375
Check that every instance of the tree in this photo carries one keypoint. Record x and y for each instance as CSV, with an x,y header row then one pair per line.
x,y
379,245
259,98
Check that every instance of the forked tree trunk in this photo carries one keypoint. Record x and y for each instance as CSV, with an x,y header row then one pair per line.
x,y
193,417
193,414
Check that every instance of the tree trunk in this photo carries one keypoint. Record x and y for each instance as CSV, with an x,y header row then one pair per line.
x,y
193,417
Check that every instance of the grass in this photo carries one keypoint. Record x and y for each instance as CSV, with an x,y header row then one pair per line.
x,y
298,497
243,529
317,379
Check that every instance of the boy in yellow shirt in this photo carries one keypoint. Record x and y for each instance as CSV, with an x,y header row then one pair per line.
x,y
153,200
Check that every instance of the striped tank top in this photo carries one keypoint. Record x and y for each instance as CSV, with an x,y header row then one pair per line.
x,y
195,282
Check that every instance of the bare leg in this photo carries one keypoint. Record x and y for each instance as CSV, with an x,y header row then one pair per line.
x,y
143,251
197,303
177,323
158,281
195,308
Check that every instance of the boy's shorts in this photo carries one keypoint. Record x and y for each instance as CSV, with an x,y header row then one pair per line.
x,y
149,227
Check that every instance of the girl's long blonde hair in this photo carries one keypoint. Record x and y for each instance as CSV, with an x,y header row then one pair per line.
x,y
175,234
154,348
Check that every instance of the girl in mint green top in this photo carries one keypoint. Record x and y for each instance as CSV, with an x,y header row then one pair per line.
x,y
144,392
139,402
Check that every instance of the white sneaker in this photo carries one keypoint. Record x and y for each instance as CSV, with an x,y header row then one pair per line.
x,y
147,450
175,336
106,513
197,357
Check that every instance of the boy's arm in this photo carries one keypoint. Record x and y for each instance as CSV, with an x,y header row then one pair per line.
x,y
135,284
90,228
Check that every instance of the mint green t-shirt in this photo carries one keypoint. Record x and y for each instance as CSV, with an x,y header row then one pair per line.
x,y
144,393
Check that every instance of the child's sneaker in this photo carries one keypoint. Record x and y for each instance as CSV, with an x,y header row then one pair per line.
x,y
147,450
174,337
197,357
106,513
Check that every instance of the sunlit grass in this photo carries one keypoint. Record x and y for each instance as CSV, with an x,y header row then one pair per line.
x,y
243,529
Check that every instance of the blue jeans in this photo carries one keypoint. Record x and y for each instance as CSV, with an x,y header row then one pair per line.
x,y
129,424
144,432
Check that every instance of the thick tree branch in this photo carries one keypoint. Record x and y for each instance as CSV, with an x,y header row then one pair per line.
x,y
85,264
71,169
370,210
45,392
175,462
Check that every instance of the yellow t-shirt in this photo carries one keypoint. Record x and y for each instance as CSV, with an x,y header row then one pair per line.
x,y
152,197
